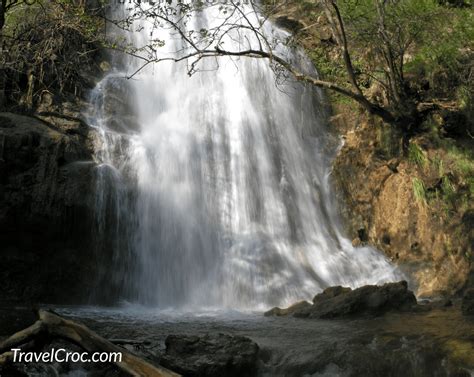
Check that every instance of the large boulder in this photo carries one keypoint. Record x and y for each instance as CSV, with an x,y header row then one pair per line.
x,y
211,355
343,302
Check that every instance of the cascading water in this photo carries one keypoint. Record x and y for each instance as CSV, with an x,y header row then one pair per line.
x,y
213,190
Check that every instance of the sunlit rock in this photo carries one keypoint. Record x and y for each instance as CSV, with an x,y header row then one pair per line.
x,y
342,302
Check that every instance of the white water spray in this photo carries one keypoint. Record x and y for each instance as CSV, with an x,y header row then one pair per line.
x,y
214,190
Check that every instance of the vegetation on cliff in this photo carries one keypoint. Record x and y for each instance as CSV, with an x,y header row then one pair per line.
x,y
409,190
48,48
408,57
400,60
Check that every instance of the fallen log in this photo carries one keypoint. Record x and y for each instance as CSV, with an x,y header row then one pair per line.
x,y
52,326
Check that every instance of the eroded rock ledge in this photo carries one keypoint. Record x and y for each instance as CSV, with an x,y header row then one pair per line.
x,y
340,301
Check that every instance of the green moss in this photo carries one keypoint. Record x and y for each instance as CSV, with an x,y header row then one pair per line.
x,y
19,14
470,183
448,190
455,169
419,190
416,155
438,164
463,161
465,166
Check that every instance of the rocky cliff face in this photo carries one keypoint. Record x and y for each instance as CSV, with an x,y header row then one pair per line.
x,y
46,209
431,239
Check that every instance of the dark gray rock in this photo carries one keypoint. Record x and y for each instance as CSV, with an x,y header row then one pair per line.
x,y
46,209
339,301
467,305
211,355
290,23
14,319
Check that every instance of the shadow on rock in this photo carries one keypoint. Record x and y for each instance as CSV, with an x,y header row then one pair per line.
x,y
211,355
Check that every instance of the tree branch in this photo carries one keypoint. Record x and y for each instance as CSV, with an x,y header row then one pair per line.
x,y
212,47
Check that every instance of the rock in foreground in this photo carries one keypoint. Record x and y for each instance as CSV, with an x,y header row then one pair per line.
x,y
339,301
211,355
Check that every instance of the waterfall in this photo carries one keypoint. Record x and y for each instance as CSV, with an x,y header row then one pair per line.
x,y
214,189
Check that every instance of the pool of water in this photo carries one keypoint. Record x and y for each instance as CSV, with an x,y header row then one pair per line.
x,y
439,342
436,343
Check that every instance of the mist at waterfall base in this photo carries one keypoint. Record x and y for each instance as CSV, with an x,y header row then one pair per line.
x,y
214,190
